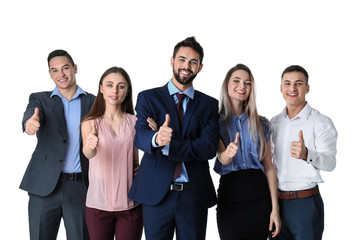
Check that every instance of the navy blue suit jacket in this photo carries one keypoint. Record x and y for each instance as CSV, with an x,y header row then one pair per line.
x,y
194,144
43,171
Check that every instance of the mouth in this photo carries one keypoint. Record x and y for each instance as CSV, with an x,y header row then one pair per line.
x,y
292,94
115,98
63,80
240,92
185,72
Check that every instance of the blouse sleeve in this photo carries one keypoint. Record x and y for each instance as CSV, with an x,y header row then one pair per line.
x,y
267,128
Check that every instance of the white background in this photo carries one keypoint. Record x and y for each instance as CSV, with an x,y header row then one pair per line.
x,y
139,36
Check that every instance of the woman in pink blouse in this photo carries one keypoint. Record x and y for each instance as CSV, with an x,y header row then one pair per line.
x,y
108,134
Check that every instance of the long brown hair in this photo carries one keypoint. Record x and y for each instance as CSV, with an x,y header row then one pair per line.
x,y
250,109
99,106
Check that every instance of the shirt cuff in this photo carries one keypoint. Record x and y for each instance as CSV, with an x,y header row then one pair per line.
x,y
165,149
311,158
153,140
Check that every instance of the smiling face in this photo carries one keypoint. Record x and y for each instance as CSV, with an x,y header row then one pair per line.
x,y
294,89
114,89
239,86
63,73
186,65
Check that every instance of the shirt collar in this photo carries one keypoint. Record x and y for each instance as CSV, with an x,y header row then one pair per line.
x,y
303,114
173,89
56,92
242,117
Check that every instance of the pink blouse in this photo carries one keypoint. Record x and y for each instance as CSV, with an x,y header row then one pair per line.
x,y
112,169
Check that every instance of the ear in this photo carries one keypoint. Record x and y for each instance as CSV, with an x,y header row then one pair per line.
x,y
307,88
75,68
101,88
281,88
172,62
200,67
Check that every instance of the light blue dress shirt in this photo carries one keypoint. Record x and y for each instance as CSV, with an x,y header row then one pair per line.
x,y
189,95
247,156
72,113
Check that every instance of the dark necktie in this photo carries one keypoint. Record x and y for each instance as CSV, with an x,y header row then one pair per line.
x,y
180,110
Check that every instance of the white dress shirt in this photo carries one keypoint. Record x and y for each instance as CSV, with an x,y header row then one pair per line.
x,y
320,138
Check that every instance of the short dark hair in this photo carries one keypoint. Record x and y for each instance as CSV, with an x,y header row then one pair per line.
x,y
60,53
296,68
192,43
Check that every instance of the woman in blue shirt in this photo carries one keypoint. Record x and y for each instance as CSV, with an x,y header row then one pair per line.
x,y
247,195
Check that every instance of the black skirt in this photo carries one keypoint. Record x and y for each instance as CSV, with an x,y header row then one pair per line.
x,y
244,205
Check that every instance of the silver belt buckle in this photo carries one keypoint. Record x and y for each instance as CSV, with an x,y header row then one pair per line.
x,y
177,187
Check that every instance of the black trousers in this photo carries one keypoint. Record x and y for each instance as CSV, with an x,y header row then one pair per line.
x,y
244,205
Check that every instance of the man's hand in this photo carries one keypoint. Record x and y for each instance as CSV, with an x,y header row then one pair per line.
x,y
165,133
32,125
298,149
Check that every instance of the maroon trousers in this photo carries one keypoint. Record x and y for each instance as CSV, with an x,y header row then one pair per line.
x,y
104,225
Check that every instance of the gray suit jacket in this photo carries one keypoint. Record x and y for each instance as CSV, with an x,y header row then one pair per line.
x,y
43,171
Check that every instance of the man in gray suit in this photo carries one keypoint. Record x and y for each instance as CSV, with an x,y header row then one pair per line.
x,y
56,177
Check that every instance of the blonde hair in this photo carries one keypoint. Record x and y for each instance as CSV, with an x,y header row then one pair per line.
x,y
254,124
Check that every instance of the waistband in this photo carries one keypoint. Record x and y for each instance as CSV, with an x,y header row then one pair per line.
x,y
179,186
291,195
70,176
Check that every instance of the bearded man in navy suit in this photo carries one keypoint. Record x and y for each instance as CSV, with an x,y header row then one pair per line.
x,y
174,182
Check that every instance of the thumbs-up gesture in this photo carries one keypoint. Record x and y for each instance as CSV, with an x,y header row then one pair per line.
x,y
32,124
232,148
298,149
92,140
165,133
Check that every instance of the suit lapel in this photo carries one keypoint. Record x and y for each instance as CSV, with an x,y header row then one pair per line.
x,y
191,106
85,105
58,111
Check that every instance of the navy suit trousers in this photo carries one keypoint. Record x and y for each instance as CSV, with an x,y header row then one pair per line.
x,y
178,210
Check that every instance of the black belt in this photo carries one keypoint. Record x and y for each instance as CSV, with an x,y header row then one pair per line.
x,y
179,186
71,176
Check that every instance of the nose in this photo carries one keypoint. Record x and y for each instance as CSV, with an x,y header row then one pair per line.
x,y
187,65
292,87
61,72
115,89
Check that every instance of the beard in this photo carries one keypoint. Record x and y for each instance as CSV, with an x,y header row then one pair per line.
x,y
184,80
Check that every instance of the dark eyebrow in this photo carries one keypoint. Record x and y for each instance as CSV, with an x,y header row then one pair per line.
x,y
65,65
192,59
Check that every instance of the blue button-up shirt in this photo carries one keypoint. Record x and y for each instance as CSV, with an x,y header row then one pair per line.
x,y
189,95
72,113
247,156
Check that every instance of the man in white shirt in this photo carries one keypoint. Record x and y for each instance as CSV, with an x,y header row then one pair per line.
x,y
304,142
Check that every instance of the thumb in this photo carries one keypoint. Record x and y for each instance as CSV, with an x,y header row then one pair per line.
x,y
167,120
35,116
300,134
93,128
236,141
